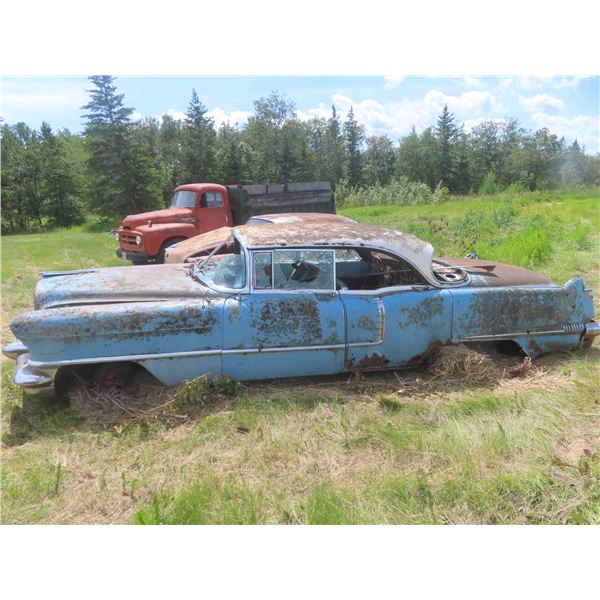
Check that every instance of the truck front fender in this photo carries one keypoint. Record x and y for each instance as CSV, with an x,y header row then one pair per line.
x,y
156,235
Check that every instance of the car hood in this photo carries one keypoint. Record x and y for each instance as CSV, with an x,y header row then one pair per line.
x,y
197,245
167,215
116,284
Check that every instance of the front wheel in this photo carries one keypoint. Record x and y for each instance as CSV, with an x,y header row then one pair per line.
x,y
160,257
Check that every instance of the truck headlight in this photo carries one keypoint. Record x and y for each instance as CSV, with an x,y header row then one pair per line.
x,y
138,240
117,237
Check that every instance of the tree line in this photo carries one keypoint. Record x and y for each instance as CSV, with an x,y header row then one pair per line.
x,y
119,166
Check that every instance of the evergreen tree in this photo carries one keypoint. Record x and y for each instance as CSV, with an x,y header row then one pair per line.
x,y
315,151
170,141
446,133
105,134
141,176
230,155
354,136
335,156
198,152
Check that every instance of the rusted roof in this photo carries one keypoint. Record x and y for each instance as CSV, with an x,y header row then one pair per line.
x,y
303,217
416,251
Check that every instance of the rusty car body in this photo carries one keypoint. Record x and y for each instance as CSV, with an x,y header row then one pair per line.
x,y
292,301
205,243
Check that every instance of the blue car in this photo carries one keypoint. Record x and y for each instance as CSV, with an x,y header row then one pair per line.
x,y
289,300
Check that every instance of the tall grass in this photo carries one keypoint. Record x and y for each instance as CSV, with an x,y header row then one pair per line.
x,y
389,448
400,192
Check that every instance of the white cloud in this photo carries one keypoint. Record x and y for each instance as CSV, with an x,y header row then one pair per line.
x,y
319,111
539,101
235,117
21,97
175,114
533,83
469,81
396,119
584,128
393,81
466,103
470,124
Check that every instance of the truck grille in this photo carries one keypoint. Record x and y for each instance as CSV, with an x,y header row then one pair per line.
x,y
127,239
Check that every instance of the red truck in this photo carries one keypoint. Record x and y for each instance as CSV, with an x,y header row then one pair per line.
x,y
200,207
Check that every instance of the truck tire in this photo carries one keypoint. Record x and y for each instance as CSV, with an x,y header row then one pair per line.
x,y
138,261
160,257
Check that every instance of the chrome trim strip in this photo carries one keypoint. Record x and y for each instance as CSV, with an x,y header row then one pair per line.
x,y
27,377
508,336
361,344
381,314
144,357
283,349
500,336
129,357
14,349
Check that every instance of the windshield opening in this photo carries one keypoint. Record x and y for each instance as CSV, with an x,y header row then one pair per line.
x,y
184,199
223,270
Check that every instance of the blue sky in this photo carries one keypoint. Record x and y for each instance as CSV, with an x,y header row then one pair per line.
x,y
568,106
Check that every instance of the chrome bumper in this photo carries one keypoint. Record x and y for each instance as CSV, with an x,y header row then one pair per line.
x,y
32,380
592,329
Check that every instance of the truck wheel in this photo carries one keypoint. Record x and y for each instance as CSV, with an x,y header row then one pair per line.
x,y
160,257
138,261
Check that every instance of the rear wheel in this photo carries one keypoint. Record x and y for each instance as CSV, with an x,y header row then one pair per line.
x,y
160,257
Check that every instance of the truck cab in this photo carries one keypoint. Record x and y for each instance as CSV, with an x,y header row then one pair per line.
x,y
195,208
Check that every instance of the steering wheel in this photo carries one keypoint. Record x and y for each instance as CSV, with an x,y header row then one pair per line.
x,y
296,266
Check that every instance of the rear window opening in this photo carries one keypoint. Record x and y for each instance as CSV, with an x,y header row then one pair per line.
x,y
366,269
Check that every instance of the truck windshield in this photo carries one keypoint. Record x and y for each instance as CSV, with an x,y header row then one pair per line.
x,y
183,199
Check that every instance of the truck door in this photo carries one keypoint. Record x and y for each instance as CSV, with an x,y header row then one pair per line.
x,y
212,212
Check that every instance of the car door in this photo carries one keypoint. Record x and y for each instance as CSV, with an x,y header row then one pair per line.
x,y
291,323
397,322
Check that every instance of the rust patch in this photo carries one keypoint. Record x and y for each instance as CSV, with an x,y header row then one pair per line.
x,y
534,349
288,321
366,322
432,349
509,310
421,312
374,362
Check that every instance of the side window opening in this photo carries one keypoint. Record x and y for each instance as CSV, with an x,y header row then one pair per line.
x,y
294,270
365,269
211,200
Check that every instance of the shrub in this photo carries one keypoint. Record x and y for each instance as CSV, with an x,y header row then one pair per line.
x,y
489,185
399,191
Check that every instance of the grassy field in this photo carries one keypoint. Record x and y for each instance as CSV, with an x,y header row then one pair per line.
x,y
406,447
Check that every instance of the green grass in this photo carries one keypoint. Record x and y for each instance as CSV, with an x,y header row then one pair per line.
x,y
384,448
